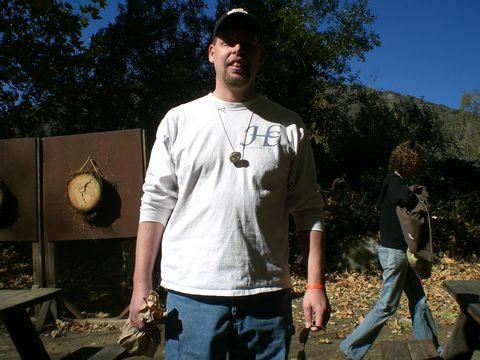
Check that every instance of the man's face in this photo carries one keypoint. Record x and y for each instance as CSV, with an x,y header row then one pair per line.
x,y
237,54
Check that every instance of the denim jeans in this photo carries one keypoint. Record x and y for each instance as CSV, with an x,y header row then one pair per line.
x,y
398,276
245,327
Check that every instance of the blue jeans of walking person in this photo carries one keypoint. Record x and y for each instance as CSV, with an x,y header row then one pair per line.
x,y
244,327
398,277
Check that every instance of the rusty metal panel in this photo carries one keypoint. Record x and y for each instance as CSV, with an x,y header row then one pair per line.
x,y
19,174
120,156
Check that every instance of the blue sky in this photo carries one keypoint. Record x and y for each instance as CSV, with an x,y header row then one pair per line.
x,y
430,48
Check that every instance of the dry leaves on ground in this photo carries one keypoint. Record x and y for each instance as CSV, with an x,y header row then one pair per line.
x,y
353,294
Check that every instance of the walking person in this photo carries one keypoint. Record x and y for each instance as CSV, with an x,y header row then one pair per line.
x,y
225,171
398,276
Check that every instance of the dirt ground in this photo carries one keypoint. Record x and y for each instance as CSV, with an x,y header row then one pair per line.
x,y
322,345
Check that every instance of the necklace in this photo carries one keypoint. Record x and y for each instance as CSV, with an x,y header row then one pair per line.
x,y
235,157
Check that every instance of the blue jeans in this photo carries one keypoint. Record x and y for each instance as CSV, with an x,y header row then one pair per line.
x,y
244,327
398,276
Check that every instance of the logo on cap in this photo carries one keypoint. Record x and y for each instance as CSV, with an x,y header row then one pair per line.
x,y
239,10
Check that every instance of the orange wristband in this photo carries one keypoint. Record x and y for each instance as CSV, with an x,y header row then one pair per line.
x,y
316,286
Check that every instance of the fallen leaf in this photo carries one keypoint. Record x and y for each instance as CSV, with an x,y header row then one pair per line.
x,y
324,341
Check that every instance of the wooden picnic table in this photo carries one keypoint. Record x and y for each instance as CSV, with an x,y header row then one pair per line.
x,y
13,313
465,337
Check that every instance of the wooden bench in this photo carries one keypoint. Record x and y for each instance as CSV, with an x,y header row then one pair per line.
x,y
13,312
465,337
111,352
409,350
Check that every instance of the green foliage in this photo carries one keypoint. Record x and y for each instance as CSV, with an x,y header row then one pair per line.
x,y
153,57
456,225
308,44
39,61
454,197
462,129
471,102
355,129
349,215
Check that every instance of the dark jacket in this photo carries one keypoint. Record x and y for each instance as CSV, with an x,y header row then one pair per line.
x,y
394,192
415,224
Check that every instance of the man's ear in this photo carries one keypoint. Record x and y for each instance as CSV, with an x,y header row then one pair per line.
x,y
211,52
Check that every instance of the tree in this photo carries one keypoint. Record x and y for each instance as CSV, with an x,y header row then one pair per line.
x,y
154,56
471,102
309,45
152,49
357,128
151,58
40,61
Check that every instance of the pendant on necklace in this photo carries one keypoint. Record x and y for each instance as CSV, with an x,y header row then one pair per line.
x,y
235,157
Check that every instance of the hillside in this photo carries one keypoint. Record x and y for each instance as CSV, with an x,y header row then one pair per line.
x,y
461,126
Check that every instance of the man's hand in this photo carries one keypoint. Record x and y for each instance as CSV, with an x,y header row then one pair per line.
x,y
138,299
316,309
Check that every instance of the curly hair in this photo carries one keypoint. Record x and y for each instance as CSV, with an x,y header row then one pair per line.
x,y
406,158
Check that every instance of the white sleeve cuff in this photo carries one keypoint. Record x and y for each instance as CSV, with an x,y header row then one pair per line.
x,y
309,224
158,215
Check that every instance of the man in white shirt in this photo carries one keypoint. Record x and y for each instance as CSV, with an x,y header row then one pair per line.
x,y
224,173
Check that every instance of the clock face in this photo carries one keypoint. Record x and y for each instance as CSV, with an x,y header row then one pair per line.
x,y
84,191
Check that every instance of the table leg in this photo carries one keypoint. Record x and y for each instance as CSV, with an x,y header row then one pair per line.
x,y
464,339
42,315
24,336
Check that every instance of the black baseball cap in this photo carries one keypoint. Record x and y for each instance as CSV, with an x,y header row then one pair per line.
x,y
236,14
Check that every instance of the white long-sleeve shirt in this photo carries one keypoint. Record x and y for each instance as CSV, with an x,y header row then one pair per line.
x,y
227,227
